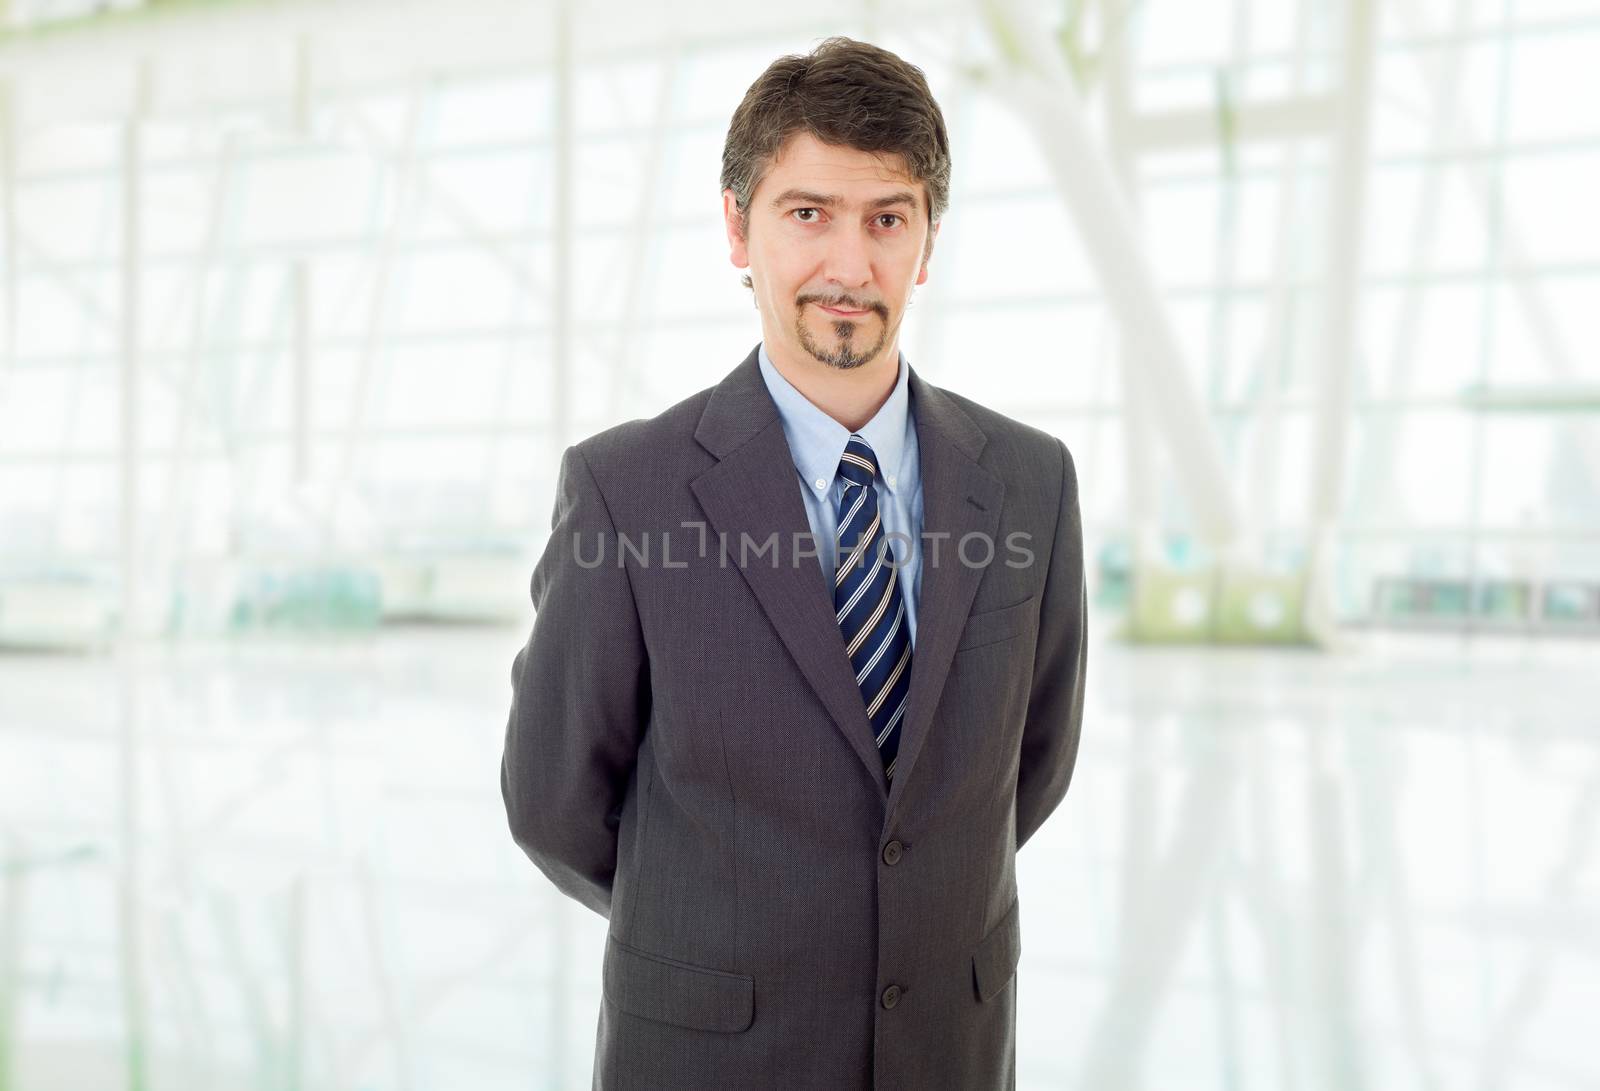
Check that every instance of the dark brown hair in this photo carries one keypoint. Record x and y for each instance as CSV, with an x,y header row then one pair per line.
x,y
847,93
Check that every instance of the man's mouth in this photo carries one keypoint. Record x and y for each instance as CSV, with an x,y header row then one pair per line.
x,y
842,313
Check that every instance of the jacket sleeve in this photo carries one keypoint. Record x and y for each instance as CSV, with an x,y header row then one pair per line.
x,y
1055,702
580,698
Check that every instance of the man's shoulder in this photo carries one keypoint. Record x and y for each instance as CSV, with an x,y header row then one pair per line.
x,y
647,442
1005,435
1034,465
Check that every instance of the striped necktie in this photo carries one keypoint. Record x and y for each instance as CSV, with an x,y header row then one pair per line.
x,y
867,602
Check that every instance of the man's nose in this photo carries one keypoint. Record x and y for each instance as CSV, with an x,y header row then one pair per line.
x,y
849,258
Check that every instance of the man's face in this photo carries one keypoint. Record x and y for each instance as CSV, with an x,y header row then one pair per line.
x,y
834,248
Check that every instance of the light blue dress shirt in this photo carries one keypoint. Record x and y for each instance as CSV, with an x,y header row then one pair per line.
x,y
817,442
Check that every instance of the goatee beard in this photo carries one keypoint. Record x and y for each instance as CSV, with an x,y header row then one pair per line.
x,y
841,356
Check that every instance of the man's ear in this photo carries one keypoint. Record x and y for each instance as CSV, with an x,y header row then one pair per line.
x,y
738,252
922,274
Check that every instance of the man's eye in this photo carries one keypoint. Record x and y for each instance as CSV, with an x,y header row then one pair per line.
x,y
802,212
890,216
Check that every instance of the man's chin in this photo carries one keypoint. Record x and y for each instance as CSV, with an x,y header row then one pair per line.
x,y
821,339
845,362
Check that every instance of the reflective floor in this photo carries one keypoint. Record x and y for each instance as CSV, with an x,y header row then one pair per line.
x,y
1274,870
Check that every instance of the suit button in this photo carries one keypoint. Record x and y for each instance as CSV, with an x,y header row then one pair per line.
x,y
891,996
891,853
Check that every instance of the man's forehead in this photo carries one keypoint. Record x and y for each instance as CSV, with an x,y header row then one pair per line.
x,y
810,171
804,153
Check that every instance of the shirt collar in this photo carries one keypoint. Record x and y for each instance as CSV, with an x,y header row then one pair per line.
x,y
817,441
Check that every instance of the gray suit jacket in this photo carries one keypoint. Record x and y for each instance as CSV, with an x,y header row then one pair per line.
x,y
689,756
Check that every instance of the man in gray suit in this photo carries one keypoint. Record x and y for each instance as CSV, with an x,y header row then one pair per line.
x,y
808,662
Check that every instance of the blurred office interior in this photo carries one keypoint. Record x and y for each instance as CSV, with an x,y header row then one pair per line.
x,y
301,303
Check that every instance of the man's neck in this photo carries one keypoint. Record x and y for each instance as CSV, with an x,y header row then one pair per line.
x,y
850,396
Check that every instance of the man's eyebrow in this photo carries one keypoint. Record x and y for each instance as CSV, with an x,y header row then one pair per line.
x,y
826,200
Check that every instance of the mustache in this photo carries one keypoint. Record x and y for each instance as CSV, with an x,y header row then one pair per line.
x,y
843,303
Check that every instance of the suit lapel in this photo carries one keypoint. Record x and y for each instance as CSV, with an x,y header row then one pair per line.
x,y
752,490
959,497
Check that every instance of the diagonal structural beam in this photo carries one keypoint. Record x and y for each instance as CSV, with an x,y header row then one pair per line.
x,y
1341,306
1037,84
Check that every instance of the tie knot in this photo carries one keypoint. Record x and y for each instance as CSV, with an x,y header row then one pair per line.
x,y
858,465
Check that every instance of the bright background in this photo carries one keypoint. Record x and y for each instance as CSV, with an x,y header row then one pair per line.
x,y
300,303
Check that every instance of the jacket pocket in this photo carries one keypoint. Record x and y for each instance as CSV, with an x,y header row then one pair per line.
x,y
995,960
992,626
674,992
